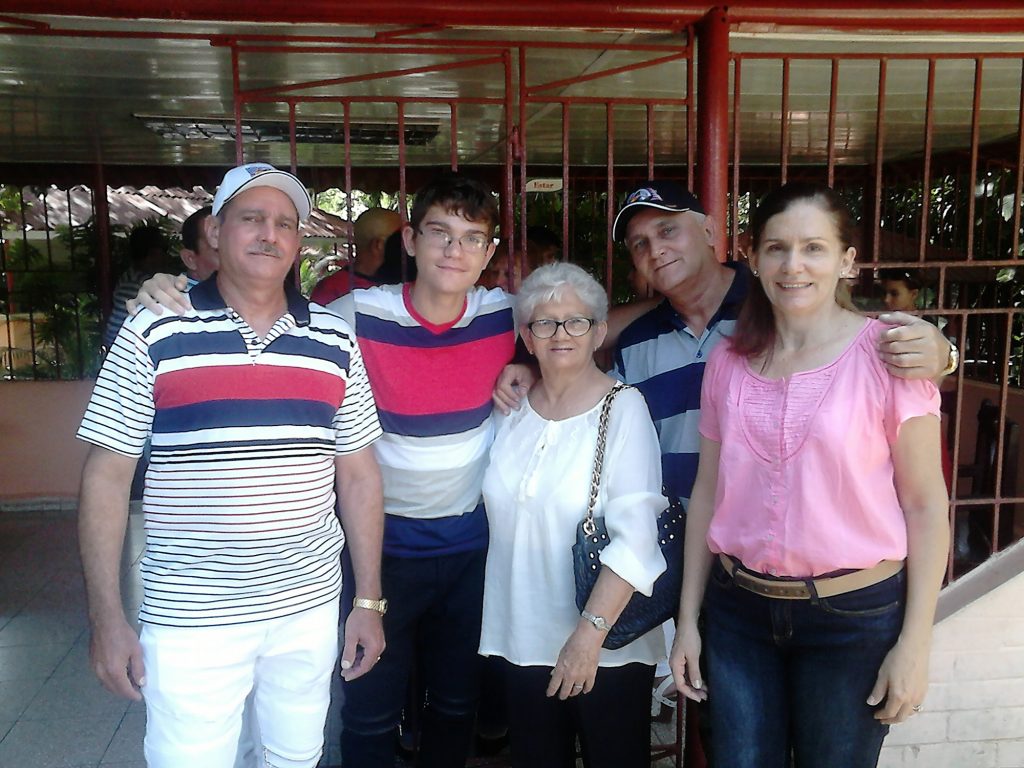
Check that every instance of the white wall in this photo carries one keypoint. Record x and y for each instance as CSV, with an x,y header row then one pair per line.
x,y
973,716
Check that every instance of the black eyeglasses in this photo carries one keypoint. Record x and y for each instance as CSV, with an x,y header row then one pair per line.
x,y
574,326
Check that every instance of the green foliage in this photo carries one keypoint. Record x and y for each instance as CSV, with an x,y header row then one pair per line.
x,y
334,201
60,301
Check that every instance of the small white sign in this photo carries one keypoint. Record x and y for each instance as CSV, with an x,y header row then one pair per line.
x,y
544,185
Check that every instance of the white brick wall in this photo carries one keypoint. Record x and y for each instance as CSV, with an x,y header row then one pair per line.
x,y
974,714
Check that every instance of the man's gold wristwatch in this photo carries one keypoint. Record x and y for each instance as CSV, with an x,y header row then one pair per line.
x,y
380,606
954,359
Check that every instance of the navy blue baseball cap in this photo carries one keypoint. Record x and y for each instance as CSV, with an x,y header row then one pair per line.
x,y
662,195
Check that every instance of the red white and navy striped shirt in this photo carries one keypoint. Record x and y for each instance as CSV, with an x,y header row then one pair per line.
x,y
433,387
239,494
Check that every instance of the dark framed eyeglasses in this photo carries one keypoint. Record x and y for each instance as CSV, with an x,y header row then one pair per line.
x,y
574,326
474,243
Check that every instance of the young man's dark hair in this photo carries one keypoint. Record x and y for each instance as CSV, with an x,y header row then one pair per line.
x,y
456,194
190,228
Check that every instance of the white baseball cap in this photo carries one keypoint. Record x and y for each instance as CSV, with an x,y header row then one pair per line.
x,y
251,175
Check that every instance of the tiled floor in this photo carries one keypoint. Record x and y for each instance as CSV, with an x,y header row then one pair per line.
x,y
53,711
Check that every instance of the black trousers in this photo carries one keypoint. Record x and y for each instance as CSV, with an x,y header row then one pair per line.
x,y
613,721
434,609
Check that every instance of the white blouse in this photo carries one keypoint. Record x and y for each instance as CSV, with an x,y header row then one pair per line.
x,y
536,490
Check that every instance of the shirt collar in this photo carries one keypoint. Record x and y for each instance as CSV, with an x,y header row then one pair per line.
x,y
729,307
206,296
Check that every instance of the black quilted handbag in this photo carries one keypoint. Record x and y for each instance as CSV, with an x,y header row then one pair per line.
x,y
641,614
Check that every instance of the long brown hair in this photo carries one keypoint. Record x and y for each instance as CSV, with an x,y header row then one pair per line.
x,y
755,327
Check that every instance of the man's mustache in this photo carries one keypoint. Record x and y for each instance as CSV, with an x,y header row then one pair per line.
x,y
268,249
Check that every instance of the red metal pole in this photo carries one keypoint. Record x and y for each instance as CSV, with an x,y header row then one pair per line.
x,y
565,181
350,263
401,157
236,98
1018,200
691,117
876,214
454,112
610,201
650,140
737,78
293,149
975,132
102,214
784,139
524,245
507,214
713,119
833,94
926,174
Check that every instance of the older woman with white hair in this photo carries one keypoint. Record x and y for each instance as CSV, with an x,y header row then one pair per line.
x,y
561,683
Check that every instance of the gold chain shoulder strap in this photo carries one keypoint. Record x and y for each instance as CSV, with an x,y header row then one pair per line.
x,y
602,440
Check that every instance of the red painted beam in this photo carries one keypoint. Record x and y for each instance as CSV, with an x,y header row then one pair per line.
x,y
935,15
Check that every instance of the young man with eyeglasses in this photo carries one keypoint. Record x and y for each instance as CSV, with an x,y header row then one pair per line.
x,y
433,350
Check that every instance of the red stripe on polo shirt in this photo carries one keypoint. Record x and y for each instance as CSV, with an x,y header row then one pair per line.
x,y
249,382
417,381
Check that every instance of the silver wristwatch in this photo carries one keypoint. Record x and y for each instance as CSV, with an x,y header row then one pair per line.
x,y
597,621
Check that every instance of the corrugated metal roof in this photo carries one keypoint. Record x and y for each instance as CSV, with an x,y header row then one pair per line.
x,y
128,206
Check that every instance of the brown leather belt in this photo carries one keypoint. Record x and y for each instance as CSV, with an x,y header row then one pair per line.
x,y
805,589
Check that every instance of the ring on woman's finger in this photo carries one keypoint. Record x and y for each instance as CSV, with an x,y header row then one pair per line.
x,y
917,708
577,687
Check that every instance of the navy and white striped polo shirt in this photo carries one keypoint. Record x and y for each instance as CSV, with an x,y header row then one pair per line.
x,y
660,356
239,494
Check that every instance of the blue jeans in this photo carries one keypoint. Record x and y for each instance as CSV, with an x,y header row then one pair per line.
x,y
434,613
791,677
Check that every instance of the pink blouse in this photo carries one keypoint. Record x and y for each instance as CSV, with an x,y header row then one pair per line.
x,y
805,478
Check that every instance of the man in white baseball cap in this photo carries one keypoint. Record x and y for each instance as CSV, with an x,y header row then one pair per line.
x,y
260,416
251,175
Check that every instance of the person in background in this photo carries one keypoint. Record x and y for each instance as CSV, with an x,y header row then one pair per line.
x,y
901,291
561,683
398,266
147,252
496,275
199,257
369,234
818,512
542,246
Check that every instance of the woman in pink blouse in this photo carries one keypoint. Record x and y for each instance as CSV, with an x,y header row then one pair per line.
x,y
817,531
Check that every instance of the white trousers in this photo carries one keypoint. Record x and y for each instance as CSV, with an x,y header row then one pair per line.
x,y
197,679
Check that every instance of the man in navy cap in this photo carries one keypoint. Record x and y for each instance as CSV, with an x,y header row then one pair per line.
x,y
671,241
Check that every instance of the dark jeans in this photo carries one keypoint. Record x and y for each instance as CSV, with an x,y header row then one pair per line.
x,y
433,618
792,676
613,721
